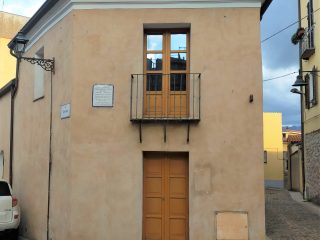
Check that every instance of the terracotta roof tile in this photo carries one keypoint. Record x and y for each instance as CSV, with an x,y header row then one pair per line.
x,y
294,138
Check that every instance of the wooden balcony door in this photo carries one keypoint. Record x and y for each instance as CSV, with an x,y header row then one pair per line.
x,y
165,196
166,68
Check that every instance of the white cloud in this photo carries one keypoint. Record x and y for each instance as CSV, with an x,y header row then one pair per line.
x,y
21,7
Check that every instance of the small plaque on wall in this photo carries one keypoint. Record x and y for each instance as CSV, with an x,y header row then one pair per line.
x,y
65,111
102,95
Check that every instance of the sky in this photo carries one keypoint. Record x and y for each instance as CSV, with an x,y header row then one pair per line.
x,y
21,7
279,55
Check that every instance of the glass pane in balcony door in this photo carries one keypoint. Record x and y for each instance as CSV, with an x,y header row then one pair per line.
x,y
154,82
178,61
179,42
154,61
178,82
154,42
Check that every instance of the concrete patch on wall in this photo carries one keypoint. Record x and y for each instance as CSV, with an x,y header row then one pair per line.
x,y
312,165
202,180
232,225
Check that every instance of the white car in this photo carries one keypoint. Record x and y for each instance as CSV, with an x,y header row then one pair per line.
x,y
9,211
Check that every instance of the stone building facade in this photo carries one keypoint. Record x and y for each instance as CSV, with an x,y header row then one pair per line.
x,y
312,165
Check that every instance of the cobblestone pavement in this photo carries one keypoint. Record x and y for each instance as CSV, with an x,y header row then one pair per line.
x,y
287,219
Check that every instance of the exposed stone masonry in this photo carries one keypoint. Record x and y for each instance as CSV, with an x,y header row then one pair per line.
x,y
312,165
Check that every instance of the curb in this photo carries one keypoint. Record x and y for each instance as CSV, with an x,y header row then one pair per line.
x,y
297,197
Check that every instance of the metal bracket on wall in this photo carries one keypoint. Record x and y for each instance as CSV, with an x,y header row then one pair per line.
x,y
165,132
140,132
46,64
164,125
188,132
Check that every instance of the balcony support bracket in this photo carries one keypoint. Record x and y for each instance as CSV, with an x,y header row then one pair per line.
x,y
140,131
165,132
188,132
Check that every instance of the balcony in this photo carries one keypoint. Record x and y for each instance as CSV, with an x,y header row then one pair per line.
x,y
165,97
307,44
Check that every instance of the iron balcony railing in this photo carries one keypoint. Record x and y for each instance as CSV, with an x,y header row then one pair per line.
x,y
307,43
157,96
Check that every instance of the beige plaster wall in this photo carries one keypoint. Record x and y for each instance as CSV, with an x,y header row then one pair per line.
x,y
108,49
5,109
296,169
31,154
59,44
32,134
97,158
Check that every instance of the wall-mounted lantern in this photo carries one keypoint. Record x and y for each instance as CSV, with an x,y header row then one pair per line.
x,y
294,90
19,47
299,82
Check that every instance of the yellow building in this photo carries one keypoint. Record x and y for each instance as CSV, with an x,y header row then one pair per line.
x,y
309,63
117,125
273,149
9,25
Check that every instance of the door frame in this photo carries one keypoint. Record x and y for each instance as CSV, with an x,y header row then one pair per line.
x,y
166,71
188,187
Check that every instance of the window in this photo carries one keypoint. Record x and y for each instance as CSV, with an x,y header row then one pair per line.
x,y
166,68
265,157
312,89
38,92
310,23
4,189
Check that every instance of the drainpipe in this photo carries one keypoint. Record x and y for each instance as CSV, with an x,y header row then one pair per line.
x,y
301,110
13,94
11,135
50,162
302,146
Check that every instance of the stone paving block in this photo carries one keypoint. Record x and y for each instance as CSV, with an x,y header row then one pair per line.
x,y
287,219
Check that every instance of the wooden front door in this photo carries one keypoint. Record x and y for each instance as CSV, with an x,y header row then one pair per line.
x,y
166,68
165,196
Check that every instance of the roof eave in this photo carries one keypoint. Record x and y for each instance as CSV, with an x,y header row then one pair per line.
x,y
7,88
48,4
264,7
